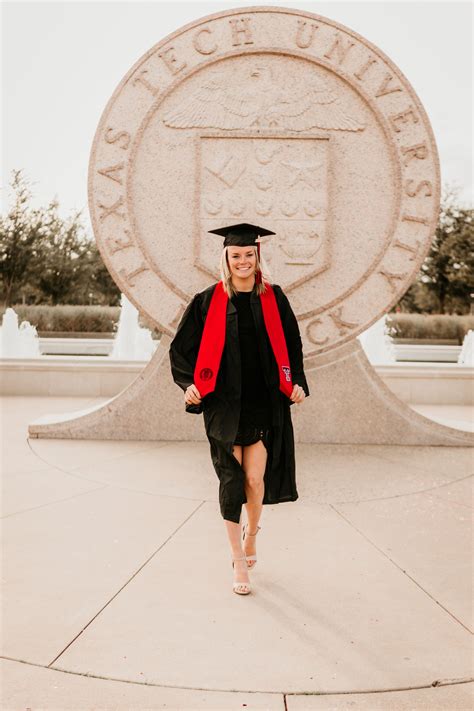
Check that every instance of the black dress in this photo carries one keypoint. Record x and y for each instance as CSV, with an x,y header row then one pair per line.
x,y
255,413
221,408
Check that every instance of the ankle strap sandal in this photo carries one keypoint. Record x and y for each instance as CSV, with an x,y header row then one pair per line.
x,y
240,588
251,559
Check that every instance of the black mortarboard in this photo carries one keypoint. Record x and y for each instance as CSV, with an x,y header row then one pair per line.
x,y
241,235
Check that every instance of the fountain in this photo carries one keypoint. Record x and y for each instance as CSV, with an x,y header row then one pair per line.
x,y
18,341
377,343
131,342
466,356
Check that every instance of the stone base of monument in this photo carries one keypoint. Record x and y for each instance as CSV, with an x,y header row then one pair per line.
x,y
348,403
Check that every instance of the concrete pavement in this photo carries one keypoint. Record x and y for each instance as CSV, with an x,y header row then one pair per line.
x,y
117,582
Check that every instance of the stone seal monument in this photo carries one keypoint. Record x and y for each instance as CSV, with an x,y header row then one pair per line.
x,y
284,118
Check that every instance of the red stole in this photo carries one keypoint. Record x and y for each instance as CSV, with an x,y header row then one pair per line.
x,y
213,339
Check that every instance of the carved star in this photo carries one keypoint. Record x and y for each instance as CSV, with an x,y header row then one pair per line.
x,y
303,173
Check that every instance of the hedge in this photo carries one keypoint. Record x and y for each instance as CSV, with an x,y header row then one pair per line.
x,y
431,326
69,318
78,319
103,319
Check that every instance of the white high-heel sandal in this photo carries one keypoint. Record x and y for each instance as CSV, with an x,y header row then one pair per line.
x,y
236,586
250,558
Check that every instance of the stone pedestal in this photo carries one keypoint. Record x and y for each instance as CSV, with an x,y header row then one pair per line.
x,y
348,403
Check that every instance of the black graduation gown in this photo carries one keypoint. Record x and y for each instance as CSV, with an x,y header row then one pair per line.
x,y
221,408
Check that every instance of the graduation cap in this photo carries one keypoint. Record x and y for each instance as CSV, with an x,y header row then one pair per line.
x,y
242,235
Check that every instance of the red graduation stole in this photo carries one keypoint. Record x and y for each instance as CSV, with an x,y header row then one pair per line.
x,y
213,339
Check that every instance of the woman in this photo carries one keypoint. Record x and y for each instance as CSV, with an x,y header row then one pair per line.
x,y
237,354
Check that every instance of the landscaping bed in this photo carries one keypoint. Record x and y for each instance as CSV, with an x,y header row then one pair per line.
x,y
76,321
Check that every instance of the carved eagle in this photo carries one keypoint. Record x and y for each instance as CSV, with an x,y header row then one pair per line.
x,y
258,102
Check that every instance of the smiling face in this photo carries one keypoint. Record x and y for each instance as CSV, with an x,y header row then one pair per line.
x,y
242,261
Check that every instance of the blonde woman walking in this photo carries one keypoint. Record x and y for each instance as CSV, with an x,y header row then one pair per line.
x,y
237,355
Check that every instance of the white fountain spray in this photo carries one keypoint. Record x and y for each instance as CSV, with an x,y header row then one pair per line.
x,y
131,342
466,356
18,341
377,343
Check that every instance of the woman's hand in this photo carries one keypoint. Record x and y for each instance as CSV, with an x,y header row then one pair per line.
x,y
298,394
192,396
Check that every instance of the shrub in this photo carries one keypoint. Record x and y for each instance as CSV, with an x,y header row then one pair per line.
x,y
431,326
79,319
104,319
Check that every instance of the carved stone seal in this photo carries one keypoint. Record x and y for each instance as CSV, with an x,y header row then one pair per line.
x,y
288,120
277,117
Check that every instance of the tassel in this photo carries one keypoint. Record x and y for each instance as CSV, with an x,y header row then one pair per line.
x,y
258,274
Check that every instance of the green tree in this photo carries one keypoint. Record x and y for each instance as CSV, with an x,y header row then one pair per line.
x,y
20,239
96,285
446,278
73,271
50,259
59,271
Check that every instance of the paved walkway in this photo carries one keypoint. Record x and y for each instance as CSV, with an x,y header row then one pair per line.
x,y
118,583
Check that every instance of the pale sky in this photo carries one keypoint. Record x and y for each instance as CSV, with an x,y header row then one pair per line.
x,y
63,60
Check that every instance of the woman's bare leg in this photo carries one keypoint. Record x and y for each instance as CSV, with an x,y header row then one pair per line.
x,y
254,464
234,531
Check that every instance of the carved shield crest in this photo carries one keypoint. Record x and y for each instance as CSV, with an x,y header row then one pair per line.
x,y
279,181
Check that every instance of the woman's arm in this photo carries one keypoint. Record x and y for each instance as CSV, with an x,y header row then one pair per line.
x,y
293,338
184,348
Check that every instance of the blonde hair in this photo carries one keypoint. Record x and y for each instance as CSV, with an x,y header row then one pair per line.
x,y
226,274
